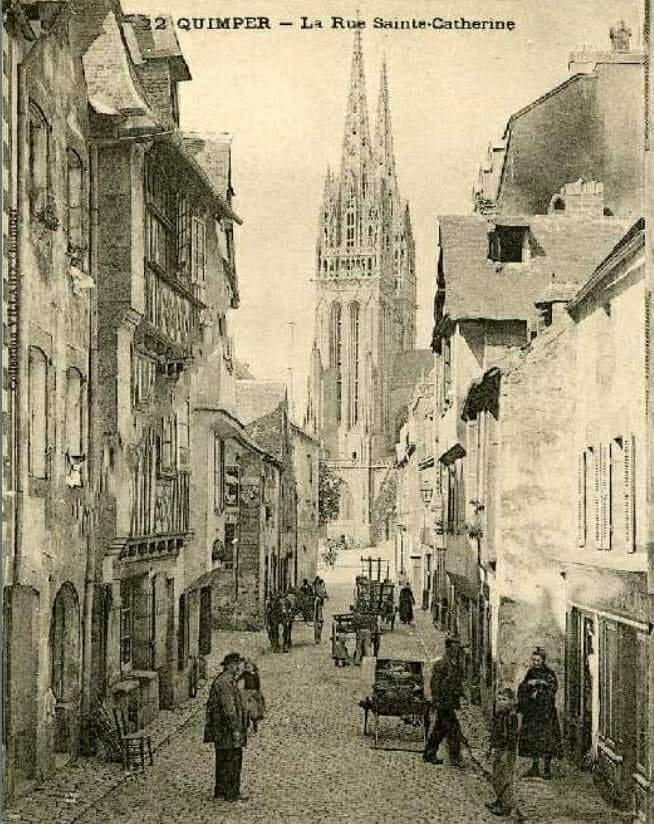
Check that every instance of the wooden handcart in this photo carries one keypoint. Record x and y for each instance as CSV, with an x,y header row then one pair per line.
x,y
345,627
398,692
377,597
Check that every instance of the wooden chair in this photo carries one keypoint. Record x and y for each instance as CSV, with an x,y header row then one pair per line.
x,y
133,744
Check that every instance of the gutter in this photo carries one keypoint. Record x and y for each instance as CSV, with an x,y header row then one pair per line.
x,y
626,246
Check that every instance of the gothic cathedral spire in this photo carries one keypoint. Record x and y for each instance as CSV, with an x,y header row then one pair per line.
x,y
356,139
384,135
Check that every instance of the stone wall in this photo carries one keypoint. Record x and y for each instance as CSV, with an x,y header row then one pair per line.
x,y
536,513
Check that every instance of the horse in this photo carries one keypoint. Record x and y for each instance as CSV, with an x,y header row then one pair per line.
x,y
280,612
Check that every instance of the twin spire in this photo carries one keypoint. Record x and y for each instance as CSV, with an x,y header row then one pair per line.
x,y
358,152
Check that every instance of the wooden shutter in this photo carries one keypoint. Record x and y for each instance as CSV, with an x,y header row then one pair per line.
x,y
605,497
142,646
160,629
629,490
581,499
597,494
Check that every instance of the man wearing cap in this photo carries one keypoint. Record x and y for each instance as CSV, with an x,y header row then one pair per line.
x,y
226,728
446,693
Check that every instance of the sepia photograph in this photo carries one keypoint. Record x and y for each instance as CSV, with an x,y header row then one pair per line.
x,y
327,411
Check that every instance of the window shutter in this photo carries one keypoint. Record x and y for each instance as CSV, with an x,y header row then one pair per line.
x,y
581,499
605,499
647,331
629,494
597,487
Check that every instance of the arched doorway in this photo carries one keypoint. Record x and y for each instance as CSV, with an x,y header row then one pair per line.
x,y
65,672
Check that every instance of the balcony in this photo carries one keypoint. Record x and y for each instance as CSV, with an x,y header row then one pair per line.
x,y
170,308
162,509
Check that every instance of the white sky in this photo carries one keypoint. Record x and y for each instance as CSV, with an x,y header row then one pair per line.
x,y
282,95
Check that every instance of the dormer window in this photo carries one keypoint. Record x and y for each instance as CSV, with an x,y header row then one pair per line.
x,y
509,244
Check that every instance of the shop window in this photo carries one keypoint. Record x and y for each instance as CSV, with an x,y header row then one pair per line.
x,y
38,413
508,244
74,200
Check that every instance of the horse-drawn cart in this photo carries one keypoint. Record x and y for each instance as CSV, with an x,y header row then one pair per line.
x,y
398,692
353,628
309,608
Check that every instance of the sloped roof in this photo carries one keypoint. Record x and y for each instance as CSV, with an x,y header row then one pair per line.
x,y
268,432
563,249
242,371
213,153
254,399
112,88
156,41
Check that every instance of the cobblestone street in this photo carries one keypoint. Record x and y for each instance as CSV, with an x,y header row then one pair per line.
x,y
310,761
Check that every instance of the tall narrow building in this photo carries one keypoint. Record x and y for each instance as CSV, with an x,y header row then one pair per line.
x,y
363,363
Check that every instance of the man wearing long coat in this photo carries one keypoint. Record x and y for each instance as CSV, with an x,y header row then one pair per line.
x,y
446,694
226,728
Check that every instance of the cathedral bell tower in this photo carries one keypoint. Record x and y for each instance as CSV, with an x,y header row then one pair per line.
x,y
365,301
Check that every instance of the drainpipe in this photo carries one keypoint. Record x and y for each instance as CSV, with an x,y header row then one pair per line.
x,y
22,353
649,296
91,475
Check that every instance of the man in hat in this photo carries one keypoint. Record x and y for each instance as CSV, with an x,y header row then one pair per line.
x,y
446,693
226,728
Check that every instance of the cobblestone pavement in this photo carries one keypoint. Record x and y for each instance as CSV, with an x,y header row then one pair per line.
x,y
310,761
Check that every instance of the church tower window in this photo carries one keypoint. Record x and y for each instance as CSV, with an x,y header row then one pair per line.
x,y
349,226
336,352
354,371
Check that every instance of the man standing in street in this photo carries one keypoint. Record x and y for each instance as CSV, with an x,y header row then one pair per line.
x,y
226,728
446,693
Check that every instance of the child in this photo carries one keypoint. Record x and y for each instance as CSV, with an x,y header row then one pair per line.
x,y
254,700
503,744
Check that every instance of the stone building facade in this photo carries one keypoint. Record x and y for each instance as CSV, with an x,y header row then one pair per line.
x,y
50,366
121,276
306,457
365,314
575,130
166,282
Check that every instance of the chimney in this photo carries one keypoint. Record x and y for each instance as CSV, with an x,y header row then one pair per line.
x,y
620,36
581,199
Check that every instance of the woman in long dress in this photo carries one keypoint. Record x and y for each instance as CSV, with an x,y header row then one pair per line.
x,y
407,602
540,733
